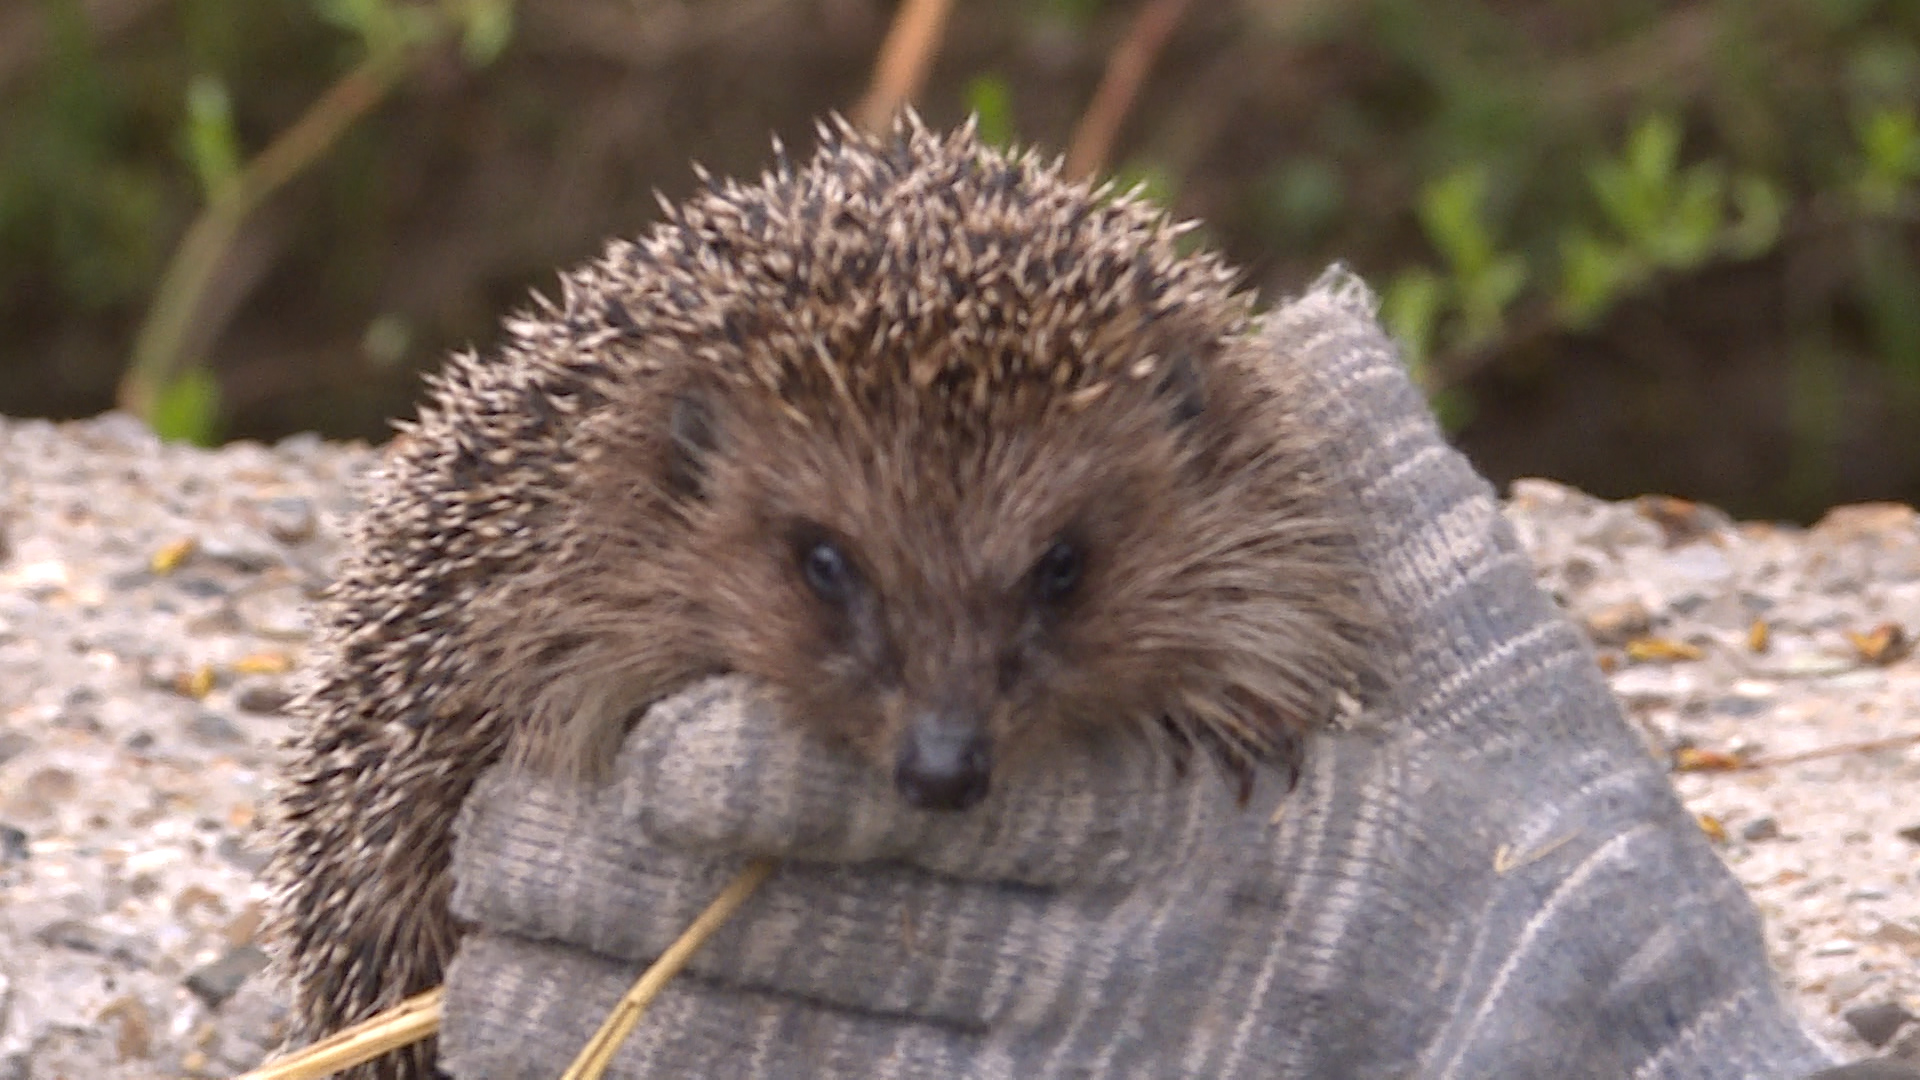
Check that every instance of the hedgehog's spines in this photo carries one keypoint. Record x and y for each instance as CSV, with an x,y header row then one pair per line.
x,y
782,170
911,286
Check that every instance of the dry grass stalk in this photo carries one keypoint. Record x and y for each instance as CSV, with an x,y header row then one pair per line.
x,y
1127,68
905,58
598,1053
418,1017
407,1023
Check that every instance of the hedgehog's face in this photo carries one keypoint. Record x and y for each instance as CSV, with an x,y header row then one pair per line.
x,y
945,600
937,599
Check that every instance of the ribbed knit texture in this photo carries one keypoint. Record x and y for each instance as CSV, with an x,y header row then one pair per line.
x,y
1487,877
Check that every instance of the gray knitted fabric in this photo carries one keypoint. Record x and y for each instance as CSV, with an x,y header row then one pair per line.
x,y
1488,877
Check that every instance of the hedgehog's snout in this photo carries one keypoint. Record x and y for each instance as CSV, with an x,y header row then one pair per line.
x,y
944,762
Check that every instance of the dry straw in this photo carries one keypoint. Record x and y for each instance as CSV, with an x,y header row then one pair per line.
x,y
418,1017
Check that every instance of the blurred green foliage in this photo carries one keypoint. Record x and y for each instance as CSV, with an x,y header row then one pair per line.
x,y
72,202
990,101
1508,172
1768,156
174,392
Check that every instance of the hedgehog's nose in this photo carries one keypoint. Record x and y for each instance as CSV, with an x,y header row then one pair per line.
x,y
944,763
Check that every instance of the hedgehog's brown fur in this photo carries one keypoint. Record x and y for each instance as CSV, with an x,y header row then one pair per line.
x,y
939,357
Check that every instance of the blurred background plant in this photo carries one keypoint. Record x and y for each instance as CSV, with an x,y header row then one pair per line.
x,y
1636,246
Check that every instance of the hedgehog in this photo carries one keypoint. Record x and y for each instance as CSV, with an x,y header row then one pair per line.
x,y
963,461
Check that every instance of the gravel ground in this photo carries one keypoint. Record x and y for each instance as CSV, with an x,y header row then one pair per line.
x,y
152,603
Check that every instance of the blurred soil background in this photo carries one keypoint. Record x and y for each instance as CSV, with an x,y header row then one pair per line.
x,y
1635,245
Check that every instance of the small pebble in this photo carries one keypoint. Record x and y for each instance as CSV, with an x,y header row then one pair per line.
x,y
218,981
1896,932
1682,521
1616,624
12,745
1738,706
241,854
213,728
87,938
241,549
133,1024
288,520
45,789
14,846
1761,828
1866,521
279,614
1906,1047
128,580
201,586
263,698
1877,1023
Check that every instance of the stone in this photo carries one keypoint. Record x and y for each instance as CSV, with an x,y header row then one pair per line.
x,y
263,698
1877,1023
213,728
216,982
14,845
288,519
1616,624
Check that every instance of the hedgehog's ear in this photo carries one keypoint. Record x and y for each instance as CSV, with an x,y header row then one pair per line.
x,y
1180,387
692,436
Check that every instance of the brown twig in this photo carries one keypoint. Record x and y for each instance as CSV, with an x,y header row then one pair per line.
x,y
905,58
1126,70
156,350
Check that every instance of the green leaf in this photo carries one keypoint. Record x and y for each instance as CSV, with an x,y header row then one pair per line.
x,y
1891,139
1653,150
1451,213
1622,203
1759,212
188,408
357,16
1638,191
1149,180
383,26
1484,298
1410,307
1890,158
1695,213
409,26
211,141
486,26
1593,273
990,100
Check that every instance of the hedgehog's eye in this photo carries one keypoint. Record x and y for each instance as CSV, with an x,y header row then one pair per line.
x,y
1057,574
826,570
